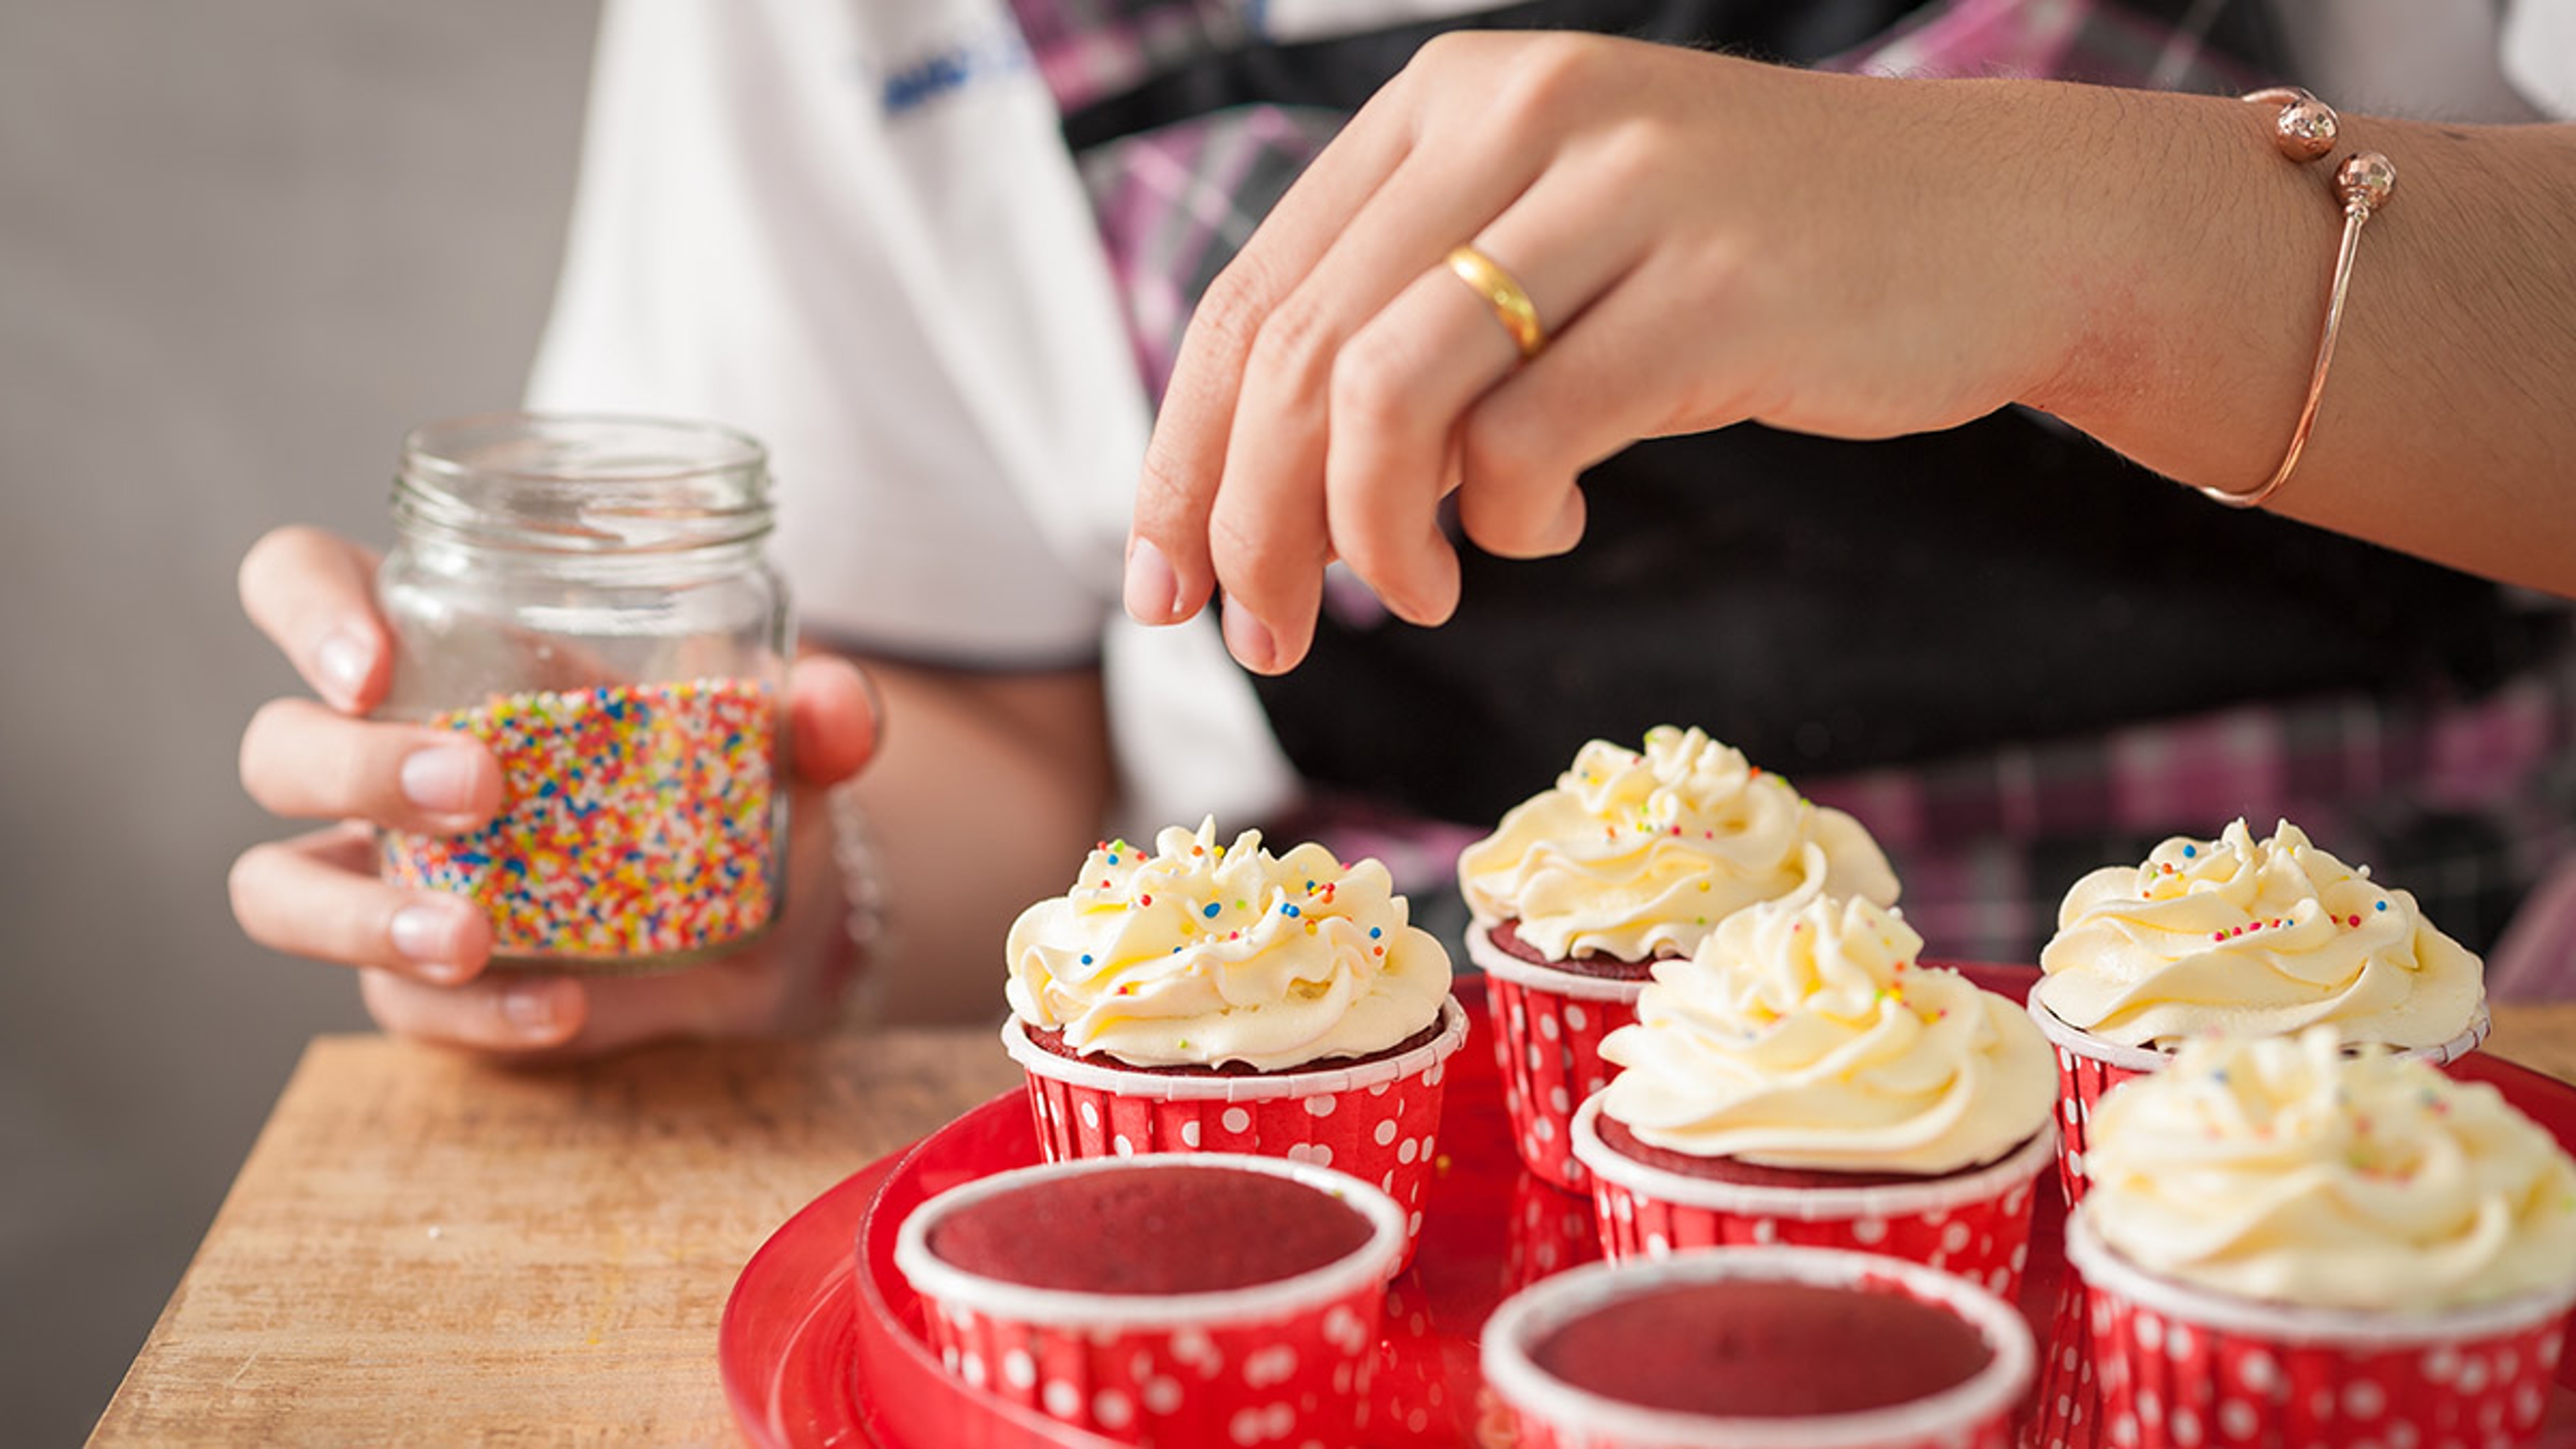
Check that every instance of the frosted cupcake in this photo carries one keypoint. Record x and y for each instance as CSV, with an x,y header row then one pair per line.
x,y
2289,1244
2247,938
1802,1078
1632,858
1214,996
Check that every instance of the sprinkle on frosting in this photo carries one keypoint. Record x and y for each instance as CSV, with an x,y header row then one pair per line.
x,y
2287,1170
1806,1033
2253,937
1637,854
1200,954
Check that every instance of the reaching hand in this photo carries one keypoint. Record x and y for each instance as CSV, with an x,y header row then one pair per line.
x,y
1706,240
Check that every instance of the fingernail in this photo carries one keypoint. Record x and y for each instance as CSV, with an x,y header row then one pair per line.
x,y
532,1008
344,660
1153,591
439,778
431,937
1249,639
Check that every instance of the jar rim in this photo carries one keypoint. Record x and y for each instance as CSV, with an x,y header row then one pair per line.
x,y
431,447
583,482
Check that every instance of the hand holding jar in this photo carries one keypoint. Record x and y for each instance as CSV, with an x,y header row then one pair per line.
x,y
576,771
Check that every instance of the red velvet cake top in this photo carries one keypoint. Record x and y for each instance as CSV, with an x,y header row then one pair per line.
x,y
1747,1348
1151,1230
1619,1138
1506,936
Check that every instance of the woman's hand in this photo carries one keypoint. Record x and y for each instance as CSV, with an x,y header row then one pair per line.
x,y
1707,240
422,953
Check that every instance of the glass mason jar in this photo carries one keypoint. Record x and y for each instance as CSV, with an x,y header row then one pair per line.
x,y
589,596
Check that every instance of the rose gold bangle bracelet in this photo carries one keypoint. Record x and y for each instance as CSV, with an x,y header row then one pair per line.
x,y
2305,131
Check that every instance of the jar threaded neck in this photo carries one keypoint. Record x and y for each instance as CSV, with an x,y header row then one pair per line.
x,y
582,483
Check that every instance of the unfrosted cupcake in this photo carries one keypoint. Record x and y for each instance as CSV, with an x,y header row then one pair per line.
x,y
1204,995
1756,1348
1632,858
2246,938
1254,1321
2286,1243
1802,1078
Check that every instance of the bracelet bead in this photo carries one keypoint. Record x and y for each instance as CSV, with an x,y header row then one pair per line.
x,y
2305,130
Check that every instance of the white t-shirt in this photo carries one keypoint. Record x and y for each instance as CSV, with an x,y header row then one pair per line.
x,y
854,230
909,305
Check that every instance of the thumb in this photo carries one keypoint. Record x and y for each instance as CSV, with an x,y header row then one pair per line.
x,y
833,718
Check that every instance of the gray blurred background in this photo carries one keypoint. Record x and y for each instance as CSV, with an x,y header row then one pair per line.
x,y
242,248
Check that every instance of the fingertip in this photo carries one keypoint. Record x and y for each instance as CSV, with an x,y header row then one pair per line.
x,y
443,940
1442,604
514,1017
350,668
270,557
835,716
1510,526
1190,600
1152,589
543,1011
474,943
1262,646
489,789
340,667
1425,593
1250,641
1168,575
313,595
453,779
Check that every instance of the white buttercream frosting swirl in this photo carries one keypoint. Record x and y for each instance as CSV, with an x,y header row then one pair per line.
x,y
2284,1170
1200,953
2253,937
1639,854
1804,1033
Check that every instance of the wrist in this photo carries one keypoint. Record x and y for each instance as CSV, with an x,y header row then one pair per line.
x,y
2192,289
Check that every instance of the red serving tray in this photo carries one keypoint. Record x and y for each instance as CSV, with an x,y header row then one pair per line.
x,y
824,1345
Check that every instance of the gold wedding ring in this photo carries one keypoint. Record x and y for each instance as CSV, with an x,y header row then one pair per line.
x,y
1511,305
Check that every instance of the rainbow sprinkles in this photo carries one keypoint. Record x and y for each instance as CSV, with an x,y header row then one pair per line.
x,y
638,821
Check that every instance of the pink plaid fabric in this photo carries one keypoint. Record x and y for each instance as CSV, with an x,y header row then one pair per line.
x,y
2077,40
2463,803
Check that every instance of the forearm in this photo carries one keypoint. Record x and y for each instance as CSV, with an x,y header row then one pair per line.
x,y
1709,240
2449,416
985,794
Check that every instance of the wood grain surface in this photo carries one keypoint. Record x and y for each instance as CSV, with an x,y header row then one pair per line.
x,y
2542,1038
425,1249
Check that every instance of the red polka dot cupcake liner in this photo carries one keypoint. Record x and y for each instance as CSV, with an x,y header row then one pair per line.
x,y
1378,1121
1540,1411
2088,1066
1972,1225
2182,1366
1548,1026
1284,1363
